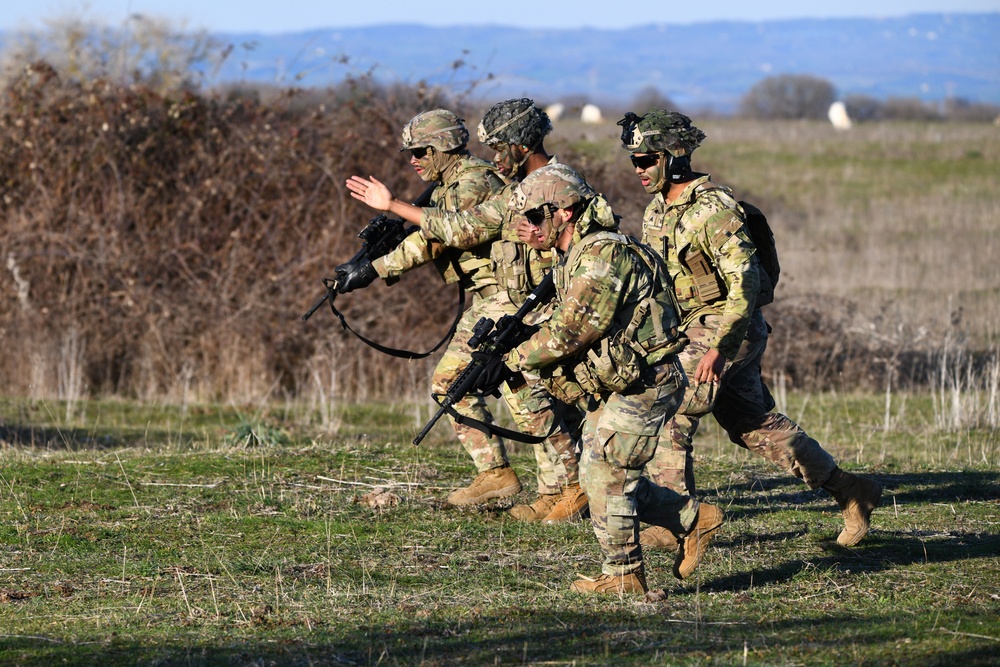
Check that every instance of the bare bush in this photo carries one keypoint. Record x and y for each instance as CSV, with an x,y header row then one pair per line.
x,y
146,50
182,236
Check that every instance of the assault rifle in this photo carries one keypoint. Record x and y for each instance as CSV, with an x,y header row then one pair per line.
x,y
496,340
380,236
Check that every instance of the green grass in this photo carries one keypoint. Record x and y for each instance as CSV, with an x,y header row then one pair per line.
x,y
155,535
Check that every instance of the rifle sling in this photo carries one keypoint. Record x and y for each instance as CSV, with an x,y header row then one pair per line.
x,y
493,430
391,351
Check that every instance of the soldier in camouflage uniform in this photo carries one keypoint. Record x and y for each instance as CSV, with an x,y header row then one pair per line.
x,y
515,130
612,338
437,143
699,229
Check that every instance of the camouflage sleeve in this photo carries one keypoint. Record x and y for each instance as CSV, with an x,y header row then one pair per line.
x,y
471,191
586,308
415,250
465,229
726,237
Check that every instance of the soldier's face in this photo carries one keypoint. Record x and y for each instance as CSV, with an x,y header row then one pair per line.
x,y
651,171
422,161
506,159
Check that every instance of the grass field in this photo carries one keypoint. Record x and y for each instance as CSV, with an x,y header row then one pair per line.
x,y
152,535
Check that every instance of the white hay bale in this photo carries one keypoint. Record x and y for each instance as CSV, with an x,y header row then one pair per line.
x,y
591,114
838,116
555,111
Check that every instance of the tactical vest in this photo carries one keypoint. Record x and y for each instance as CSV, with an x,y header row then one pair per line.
x,y
519,268
470,267
643,334
700,284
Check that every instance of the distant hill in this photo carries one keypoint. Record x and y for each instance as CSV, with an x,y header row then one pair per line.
x,y
700,66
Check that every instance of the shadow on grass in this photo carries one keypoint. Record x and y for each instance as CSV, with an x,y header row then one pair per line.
x,y
762,495
76,439
591,635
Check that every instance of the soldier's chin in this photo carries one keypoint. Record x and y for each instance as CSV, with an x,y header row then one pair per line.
x,y
650,187
425,175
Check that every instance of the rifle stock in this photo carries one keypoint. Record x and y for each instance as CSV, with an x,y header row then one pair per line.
x,y
496,339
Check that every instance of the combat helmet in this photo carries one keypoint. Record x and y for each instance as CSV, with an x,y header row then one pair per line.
x,y
514,121
559,186
439,128
660,131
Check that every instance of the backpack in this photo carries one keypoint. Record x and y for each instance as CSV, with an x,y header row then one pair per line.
x,y
767,253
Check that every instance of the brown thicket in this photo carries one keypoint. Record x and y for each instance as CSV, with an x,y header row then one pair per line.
x,y
166,246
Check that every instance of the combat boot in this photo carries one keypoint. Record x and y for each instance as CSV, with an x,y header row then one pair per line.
x,y
858,497
537,510
693,545
495,483
572,505
657,537
611,584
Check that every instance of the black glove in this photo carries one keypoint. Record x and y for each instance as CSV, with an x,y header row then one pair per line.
x,y
495,373
355,275
521,331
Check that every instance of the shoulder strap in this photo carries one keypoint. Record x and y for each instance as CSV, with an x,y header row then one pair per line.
x,y
391,351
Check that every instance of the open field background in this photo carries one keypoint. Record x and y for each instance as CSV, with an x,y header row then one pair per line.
x,y
139,534
187,471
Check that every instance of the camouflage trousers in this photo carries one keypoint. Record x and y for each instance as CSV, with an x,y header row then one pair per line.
x,y
534,412
742,405
529,405
620,437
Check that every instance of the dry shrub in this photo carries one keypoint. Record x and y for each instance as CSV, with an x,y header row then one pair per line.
x,y
181,237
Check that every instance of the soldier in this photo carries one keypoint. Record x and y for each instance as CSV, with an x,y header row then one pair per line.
x,y
437,141
515,130
699,229
612,338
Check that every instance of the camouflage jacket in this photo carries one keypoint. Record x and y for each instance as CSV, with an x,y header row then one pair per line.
x,y
517,267
600,283
704,226
467,182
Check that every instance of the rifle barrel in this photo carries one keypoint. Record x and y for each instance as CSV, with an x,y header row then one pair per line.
x,y
315,308
427,427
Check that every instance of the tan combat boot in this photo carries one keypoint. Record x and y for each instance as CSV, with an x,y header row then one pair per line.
x,y
657,537
537,510
572,505
610,584
693,545
495,483
858,497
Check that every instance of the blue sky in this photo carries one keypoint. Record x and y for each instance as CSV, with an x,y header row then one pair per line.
x,y
272,16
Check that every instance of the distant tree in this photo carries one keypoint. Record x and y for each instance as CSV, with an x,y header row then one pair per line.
x,y
959,109
909,108
789,96
649,98
150,51
863,108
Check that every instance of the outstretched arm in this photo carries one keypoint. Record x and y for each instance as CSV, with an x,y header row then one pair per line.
x,y
374,193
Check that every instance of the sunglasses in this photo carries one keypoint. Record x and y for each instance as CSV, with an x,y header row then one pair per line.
x,y
644,161
419,153
537,216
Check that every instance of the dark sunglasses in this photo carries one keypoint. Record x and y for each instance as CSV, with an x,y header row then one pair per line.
x,y
644,161
537,216
419,153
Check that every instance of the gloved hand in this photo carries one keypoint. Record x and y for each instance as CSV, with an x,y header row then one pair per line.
x,y
495,373
355,275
